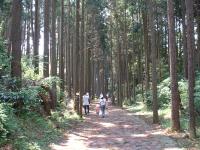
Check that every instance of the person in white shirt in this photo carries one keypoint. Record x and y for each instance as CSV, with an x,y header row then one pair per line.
x,y
86,103
102,103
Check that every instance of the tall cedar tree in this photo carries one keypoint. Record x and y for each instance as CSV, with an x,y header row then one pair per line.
x,y
16,71
46,39
191,75
153,55
53,51
61,58
82,49
185,55
36,38
173,69
77,54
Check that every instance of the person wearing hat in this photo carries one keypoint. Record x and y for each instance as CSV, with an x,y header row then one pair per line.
x,y
102,103
86,103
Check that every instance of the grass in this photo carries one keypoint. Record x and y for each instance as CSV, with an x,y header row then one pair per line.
x,y
36,132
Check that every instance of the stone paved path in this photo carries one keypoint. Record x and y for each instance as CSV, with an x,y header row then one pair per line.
x,y
120,130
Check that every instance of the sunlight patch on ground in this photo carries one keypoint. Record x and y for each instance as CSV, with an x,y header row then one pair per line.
x,y
171,148
74,142
157,133
107,124
127,126
139,135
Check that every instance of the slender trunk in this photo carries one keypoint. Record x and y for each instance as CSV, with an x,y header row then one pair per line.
x,y
77,50
61,56
28,48
198,29
16,71
53,52
36,38
191,74
82,49
46,40
173,68
146,40
185,60
154,72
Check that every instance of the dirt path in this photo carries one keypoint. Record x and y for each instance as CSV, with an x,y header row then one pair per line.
x,y
120,130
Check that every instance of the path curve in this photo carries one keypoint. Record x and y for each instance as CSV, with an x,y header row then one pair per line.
x,y
120,130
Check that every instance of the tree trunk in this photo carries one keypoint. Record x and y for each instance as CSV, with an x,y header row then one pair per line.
x,y
191,74
61,56
185,57
198,30
173,68
146,40
16,71
53,53
77,50
153,54
82,49
36,38
46,39
28,48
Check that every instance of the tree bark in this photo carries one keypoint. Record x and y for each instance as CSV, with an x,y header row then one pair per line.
x,y
173,69
46,39
77,51
82,49
153,55
61,56
191,75
16,71
53,53
185,55
36,38
146,40
198,29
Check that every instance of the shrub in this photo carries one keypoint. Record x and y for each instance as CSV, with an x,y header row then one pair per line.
x,y
8,122
197,92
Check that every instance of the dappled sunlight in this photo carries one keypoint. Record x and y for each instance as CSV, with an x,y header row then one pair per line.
x,y
139,135
175,148
119,130
107,124
157,132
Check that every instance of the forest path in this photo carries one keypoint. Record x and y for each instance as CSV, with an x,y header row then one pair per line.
x,y
120,130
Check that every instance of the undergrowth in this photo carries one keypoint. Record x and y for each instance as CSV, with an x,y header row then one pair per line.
x,y
32,131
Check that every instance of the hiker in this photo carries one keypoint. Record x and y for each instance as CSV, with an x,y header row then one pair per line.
x,y
101,95
86,103
102,103
97,108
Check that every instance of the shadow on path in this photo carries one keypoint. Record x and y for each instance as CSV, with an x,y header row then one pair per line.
x,y
120,130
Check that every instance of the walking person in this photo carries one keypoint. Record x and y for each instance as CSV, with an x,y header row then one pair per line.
x,y
86,103
102,103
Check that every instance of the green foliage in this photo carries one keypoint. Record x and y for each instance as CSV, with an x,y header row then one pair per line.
x,y
4,59
197,92
164,92
30,131
28,69
148,99
49,81
28,95
8,123
39,132
183,90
